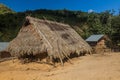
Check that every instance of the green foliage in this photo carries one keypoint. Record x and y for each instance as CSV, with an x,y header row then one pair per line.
x,y
4,9
9,26
115,26
84,23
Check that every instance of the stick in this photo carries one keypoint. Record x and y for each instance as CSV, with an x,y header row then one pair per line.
x,y
5,59
67,57
60,55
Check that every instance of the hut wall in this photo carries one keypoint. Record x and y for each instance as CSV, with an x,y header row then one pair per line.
x,y
101,44
92,44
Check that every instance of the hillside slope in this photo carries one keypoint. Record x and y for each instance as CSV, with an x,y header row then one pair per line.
x,y
4,9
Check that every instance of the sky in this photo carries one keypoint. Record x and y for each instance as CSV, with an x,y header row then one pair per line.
x,y
83,5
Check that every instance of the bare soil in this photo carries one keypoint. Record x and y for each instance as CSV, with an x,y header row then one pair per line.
x,y
90,67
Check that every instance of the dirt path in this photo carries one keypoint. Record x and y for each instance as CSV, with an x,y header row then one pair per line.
x,y
95,67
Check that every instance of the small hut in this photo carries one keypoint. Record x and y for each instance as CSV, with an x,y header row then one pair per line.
x,y
3,45
3,52
97,42
47,39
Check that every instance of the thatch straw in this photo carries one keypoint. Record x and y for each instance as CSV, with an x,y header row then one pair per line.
x,y
40,37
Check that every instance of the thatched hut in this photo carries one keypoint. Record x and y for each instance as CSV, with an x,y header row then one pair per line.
x,y
43,38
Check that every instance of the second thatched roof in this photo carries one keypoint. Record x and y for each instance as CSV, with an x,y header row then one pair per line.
x,y
42,36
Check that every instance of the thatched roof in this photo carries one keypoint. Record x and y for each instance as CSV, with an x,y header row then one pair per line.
x,y
42,36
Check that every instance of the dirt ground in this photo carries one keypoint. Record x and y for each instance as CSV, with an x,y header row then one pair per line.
x,y
90,67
